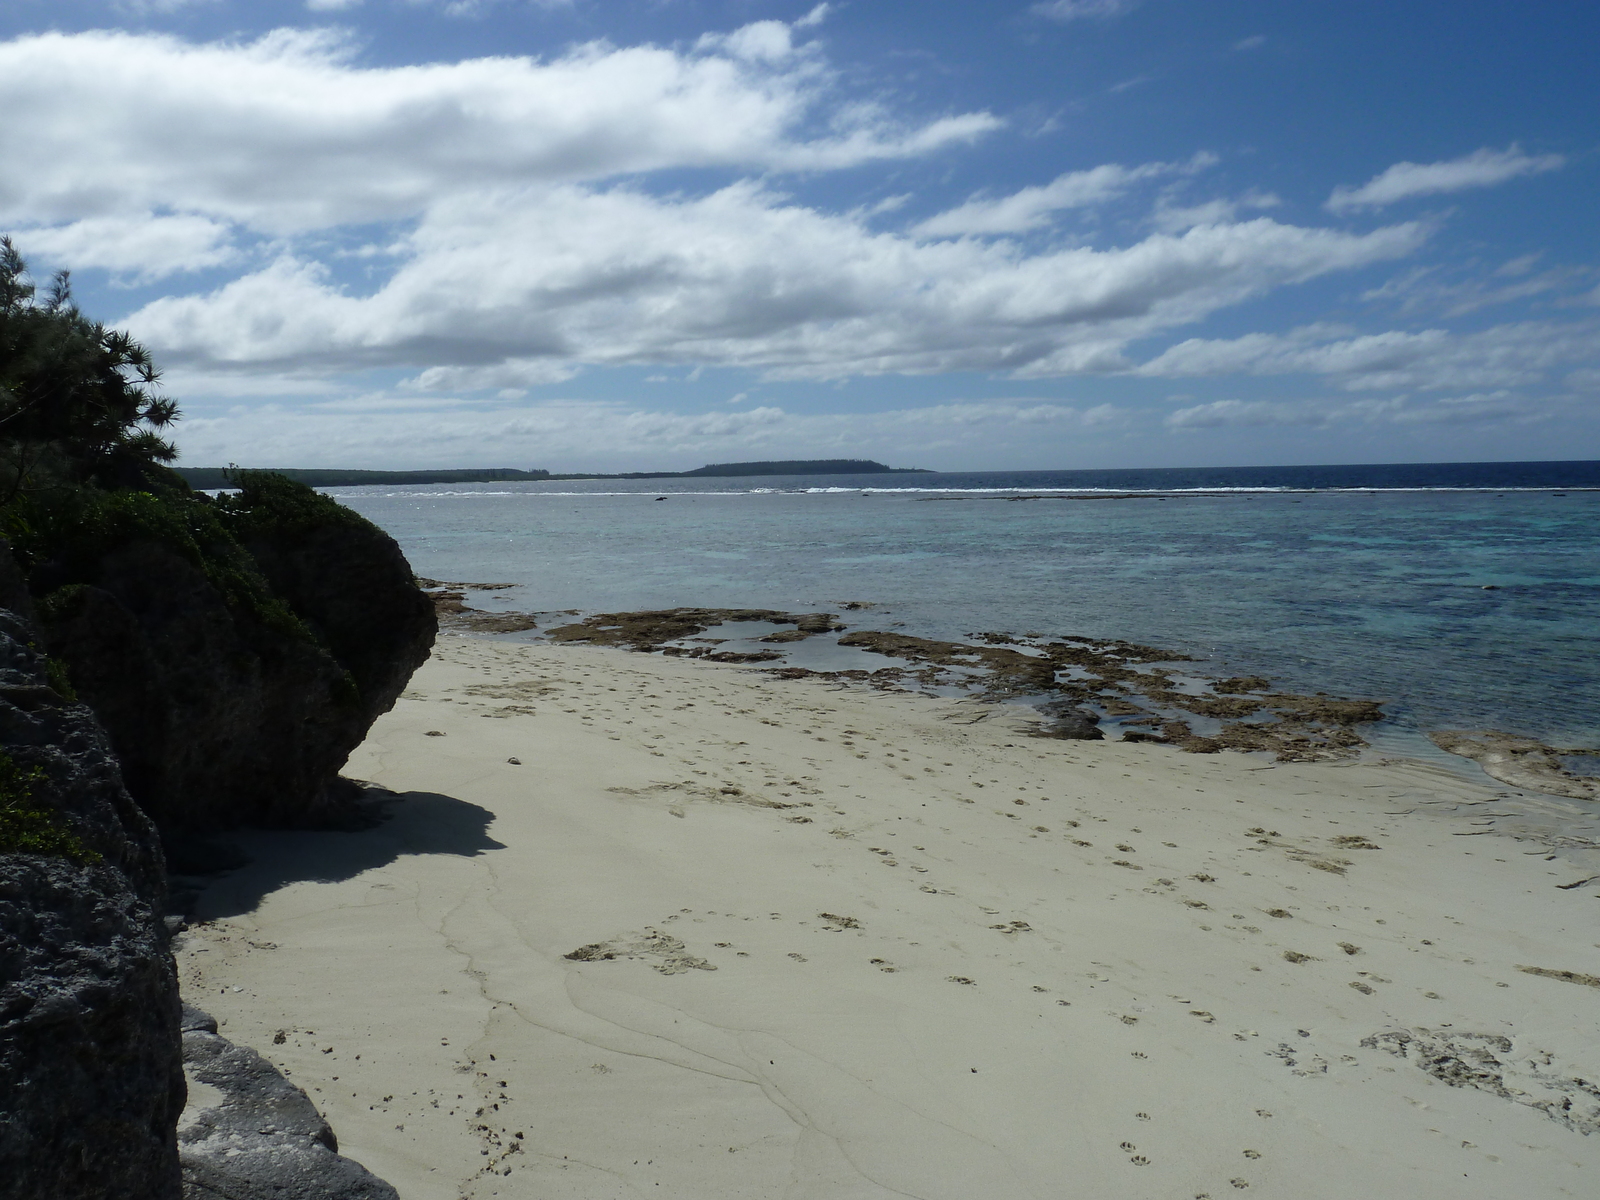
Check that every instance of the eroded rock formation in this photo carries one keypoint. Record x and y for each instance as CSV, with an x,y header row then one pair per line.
x,y
235,678
91,1083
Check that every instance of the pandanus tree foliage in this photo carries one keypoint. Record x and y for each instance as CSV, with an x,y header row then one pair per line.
x,y
79,403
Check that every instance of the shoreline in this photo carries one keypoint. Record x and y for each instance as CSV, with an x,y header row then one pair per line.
x,y
784,937
1084,680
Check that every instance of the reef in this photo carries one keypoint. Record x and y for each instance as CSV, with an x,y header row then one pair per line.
x,y
652,630
1520,761
1077,679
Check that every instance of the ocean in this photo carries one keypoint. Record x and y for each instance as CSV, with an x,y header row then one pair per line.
x,y
1458,595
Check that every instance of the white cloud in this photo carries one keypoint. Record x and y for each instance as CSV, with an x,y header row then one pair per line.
x,y
146,247
1424,289
286,134
145,8
1518,354
1241,413
1033,207
1473,409
471,8
507,258
1253,42
815,17
1170,217
740,278
332,5
599,435
513,373
761,41
1077,10
1482,168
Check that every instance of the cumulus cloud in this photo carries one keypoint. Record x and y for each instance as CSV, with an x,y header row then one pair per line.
x,y
1033,207
331,5
1078,10
287,134
1481,168
1516,354
143,247
739,278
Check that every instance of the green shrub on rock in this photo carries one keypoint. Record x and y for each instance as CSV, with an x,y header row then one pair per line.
x,y
28,826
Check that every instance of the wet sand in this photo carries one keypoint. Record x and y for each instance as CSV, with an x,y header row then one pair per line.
x,y
720,934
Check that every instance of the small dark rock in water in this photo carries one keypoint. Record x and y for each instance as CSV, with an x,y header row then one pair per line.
x,y
1491,587
515,762
263,1139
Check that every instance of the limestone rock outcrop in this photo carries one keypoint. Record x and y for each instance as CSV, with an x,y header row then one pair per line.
x,y
250,1134
91,1082
235,677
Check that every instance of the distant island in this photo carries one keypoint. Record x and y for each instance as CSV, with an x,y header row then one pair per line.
x,y
222,477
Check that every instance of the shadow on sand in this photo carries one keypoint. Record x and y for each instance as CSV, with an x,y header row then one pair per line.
x,y
414,823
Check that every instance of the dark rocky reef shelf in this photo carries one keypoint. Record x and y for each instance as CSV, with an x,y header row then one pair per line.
x,y
648,631
1073,681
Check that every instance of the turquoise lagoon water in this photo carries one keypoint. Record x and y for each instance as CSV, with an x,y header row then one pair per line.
x,y
1456,605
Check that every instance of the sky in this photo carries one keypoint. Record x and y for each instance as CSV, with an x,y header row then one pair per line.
x,y
651,234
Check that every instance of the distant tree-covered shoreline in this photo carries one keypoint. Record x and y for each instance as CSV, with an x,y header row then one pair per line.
x,y
222,477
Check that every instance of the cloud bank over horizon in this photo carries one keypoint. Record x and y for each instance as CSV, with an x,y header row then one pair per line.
x,y
579,254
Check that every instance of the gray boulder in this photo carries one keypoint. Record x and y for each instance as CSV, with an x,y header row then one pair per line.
x,y
255,1135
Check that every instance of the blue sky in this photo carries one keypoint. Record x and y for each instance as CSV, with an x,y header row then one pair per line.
x,y
615,235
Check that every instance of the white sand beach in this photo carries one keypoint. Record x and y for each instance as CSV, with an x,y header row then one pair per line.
x,y
835,944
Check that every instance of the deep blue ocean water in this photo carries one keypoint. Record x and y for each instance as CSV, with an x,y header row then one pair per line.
x,y
1461,595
